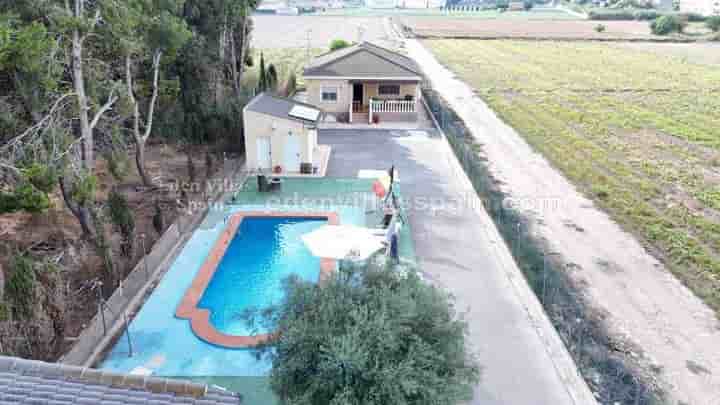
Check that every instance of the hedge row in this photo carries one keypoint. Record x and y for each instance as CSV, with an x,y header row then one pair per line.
x,y
637,15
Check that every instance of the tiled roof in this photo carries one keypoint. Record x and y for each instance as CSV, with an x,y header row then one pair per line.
x,y
362,60
35,382
276,106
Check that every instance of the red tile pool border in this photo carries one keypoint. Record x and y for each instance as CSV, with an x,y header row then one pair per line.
x,y
200,318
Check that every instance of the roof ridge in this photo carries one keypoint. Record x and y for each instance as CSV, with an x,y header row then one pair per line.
x,y
389,60
375,50
58,371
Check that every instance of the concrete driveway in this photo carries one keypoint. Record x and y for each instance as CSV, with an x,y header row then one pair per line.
x,y
459,249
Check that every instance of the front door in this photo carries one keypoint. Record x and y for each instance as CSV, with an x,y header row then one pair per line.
x,y
264,160
357,93
292,153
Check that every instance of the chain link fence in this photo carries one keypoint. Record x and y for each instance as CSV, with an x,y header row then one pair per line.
x,y
606,364
116,309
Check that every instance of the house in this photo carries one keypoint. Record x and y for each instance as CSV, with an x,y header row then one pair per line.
x,y
35,382
281,135
702,7
364,83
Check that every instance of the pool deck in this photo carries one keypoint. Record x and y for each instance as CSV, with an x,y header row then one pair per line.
x,y
459,249
199,317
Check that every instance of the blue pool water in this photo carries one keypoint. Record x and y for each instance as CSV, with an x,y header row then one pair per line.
x,y
263,252
165,344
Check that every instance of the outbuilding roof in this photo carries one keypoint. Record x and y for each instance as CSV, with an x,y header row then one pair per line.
x,y
286,108
364,60
36,382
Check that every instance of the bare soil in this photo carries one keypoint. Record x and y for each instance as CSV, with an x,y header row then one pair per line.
x,y
425,27
55,234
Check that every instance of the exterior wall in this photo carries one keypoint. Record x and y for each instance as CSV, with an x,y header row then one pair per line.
x,y
371,90
342,105
261,125
396,117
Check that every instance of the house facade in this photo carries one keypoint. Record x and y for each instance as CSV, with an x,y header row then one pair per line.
x,y
280,135
364,83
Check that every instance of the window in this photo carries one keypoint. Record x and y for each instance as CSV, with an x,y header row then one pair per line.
x,y
329,94
389,90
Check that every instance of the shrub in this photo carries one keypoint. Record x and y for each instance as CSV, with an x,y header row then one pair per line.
x,y
667,24
20,287
713,23
338,44
600,28
503,5
528,5
42,177
117,164
122,218
646,15
367,337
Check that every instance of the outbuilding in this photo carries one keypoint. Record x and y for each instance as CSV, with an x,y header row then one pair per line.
x,y
281,136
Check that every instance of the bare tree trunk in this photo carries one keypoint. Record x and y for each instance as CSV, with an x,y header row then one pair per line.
x,y
141,138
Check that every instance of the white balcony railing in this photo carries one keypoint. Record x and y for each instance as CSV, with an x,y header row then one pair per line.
x,y
392,106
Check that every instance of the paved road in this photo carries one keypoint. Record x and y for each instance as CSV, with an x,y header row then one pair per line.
x,y
459,249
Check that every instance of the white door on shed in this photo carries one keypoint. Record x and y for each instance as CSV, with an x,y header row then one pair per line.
x,y
292,153
264,161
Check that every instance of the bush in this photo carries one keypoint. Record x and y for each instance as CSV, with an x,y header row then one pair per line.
x,y
25,197
528,5
713,23
667,24
20,287
367,337
600,28
122,218
503,5
42,177
338,44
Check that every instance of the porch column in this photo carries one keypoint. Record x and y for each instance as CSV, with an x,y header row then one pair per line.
x,y
370,111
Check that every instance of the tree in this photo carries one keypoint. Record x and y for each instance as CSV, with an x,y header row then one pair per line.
x,y
271,76
145,30
667,24
713,23
262,78
338,44
367,337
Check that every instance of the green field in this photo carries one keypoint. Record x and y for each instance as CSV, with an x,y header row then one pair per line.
x,y
638,132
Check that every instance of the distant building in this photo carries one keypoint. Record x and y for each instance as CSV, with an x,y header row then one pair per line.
x,y
702,7
417,4
381,3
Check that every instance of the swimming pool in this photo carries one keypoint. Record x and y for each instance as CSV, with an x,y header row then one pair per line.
x,y
245,270
165,344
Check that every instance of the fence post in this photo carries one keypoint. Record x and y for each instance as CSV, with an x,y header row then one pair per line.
x,y
145,265
100,308
127,333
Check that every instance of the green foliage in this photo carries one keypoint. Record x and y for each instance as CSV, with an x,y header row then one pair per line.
x,y
368,337
600,28
713,23
271,76
122,219
42,176
336,44
262,76
24,197
20,287
528,5
83,189
118,164
667,24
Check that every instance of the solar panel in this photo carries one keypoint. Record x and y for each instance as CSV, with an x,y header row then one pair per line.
x,y
305,113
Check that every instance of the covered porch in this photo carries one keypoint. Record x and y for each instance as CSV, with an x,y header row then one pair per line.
x,y
374,101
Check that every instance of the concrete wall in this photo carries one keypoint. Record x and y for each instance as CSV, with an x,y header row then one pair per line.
x,y
342,105
261,125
